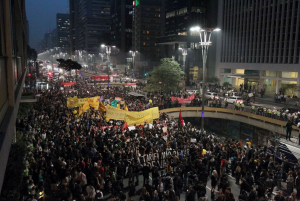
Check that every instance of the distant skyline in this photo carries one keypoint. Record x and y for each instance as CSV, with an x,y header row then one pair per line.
x,y
41,16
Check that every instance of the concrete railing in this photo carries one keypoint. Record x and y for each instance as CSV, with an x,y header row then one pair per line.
x,y
235,115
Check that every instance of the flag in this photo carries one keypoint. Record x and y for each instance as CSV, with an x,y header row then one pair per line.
x,y
101,107
114,103
85,107
80,110
118,98
125,126
181,122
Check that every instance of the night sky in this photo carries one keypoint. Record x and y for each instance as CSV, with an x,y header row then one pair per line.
x,y
41,15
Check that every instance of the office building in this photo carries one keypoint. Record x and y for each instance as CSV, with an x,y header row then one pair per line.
x,y
147,26
13,61
63,30
74,18
179,17
94,20
121,28
259,44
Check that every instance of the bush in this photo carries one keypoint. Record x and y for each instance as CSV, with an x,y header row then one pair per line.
x,y
23,109
12,184
28,94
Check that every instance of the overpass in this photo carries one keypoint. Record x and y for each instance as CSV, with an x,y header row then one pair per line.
x,y
274,125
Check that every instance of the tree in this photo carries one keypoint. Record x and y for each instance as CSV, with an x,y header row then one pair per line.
x,y
226,84
290,87
214,80
166,77
68,64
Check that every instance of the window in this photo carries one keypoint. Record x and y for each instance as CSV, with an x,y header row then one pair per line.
x,y
182,11
144,43
182,33
290,74
147,32
170,14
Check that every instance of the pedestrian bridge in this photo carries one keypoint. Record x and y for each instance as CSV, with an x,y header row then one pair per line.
x,y
274,125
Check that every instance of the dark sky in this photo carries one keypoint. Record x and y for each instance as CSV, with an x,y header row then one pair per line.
x,y
41,15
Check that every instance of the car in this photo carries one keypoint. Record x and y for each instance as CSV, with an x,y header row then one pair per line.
x,y
212,95
192,92
234,99
232,94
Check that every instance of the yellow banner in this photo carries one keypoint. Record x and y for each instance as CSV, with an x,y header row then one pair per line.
x,y
101,108
93,99
81,101
155,112
85,107
131,121
118,114
76,102
94,105
115,113
72,102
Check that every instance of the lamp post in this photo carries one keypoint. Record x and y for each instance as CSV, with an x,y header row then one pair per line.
x,y
184,54
205,36
133,60
108,51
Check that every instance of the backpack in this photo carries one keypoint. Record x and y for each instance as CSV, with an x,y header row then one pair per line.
x,y
98,195
168,182
172,196
238,169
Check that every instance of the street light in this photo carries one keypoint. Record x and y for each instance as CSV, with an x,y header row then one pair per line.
x,y
205,36
133,56
108,51
184,54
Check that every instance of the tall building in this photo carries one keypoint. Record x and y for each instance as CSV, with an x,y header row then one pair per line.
x,y
13,61
63,30
179,17
259,43
94,20
147,26
74,32
121,27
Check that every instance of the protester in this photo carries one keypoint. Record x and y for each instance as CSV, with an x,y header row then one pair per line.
x,y
88,157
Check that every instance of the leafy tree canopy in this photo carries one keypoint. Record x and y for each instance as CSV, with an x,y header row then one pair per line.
x,y
166,77
68,64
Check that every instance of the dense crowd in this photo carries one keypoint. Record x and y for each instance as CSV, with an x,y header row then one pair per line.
x,y
87,157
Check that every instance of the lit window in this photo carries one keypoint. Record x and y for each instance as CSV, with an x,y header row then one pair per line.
x,y
147,32
159,15
144,43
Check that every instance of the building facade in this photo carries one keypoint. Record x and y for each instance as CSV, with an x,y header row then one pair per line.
x,y
146,27
179,17
259,43
121,28
13,61
94,20
63,30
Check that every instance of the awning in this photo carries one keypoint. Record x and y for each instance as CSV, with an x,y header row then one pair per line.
x,y
244,76
136,94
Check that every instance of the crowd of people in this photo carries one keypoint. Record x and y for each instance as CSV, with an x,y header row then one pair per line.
x,y
87,157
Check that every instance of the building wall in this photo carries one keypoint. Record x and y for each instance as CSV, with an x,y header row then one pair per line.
x,y
13,52
259,35
121,27
94,19
63,30
147,26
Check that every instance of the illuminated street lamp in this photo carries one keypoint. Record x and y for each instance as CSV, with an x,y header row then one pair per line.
x,y
205,36
133,53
